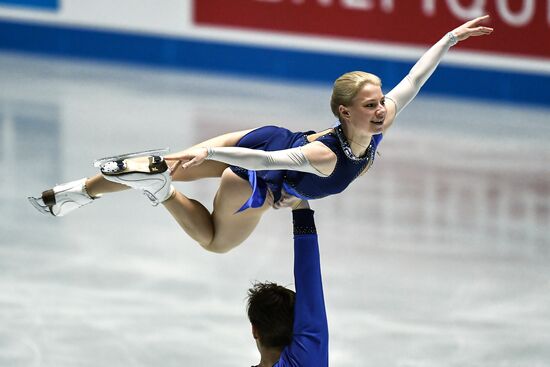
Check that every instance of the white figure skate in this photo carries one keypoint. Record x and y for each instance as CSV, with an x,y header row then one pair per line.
x,y
62,199
149,174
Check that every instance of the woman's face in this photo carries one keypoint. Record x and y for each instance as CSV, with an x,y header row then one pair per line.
x,y
368,111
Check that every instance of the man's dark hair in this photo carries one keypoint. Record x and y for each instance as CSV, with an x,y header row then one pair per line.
x,y
271,311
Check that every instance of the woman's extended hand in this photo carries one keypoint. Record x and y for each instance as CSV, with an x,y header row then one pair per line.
x,y
472,28
189,158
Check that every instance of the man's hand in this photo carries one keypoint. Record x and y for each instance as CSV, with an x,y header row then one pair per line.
x,y
287,201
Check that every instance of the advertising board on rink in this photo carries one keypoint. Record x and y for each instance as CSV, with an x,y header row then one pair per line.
x,y
298,40
522,27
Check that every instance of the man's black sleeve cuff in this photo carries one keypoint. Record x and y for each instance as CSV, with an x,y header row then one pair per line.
x,y
303,222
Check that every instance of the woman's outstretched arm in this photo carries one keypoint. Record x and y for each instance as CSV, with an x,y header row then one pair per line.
x,y
313,158
400,96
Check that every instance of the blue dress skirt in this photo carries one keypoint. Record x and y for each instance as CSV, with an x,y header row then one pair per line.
x,y
267,138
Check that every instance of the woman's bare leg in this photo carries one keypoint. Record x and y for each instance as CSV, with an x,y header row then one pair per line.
x,y
64,198
231,228
219,231
98,185
223,229
195,219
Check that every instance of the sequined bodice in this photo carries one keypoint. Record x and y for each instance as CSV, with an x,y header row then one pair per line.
x,y
348,167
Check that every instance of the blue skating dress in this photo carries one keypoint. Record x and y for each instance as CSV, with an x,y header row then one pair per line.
x,y
301,184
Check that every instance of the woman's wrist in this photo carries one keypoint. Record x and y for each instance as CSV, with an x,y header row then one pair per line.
x,y
452,38
209,153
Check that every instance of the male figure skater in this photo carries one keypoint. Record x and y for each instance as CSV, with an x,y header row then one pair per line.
x,y
291,328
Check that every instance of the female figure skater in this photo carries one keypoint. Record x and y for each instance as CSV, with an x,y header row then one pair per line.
x,y
265,162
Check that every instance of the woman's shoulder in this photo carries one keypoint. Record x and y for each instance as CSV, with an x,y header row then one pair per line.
x,y
327,134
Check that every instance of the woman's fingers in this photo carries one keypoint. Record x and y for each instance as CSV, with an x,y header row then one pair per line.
x,y
192,157
173,167
186,161
191,163
480,19
480,31
476,21
473,28
475,24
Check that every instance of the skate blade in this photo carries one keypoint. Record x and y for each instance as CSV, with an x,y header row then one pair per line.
x,y
101,161
146,165
44,209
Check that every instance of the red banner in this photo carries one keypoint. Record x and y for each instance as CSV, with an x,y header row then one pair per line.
x,y
522,27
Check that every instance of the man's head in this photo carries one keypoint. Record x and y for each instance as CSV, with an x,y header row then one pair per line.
x,y
271,313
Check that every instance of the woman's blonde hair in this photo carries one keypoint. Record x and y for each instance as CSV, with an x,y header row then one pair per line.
x,y
347,86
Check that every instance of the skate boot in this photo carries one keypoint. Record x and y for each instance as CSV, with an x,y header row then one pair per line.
x,y
148,174
62,199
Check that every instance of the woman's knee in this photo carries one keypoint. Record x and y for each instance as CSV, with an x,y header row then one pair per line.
x,y
231,228
219,246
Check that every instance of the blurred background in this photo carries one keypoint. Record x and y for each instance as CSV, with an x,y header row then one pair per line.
x,y
439,256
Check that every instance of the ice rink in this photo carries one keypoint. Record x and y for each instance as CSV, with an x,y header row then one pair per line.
x,y
439,256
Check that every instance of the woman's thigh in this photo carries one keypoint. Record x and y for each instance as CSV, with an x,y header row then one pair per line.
x,y
208,168
233,228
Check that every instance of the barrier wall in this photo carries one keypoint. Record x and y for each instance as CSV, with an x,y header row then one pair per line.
x,y
299,40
